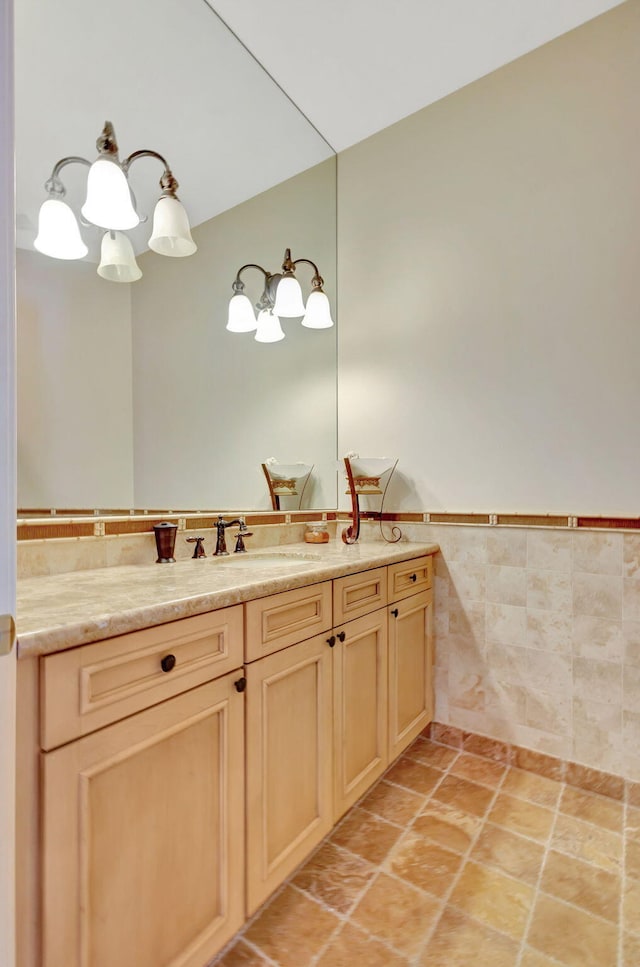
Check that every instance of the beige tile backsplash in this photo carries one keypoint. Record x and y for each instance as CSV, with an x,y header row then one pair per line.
x,y
538,639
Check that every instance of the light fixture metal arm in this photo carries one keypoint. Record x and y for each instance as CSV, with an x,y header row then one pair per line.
x,y
54,185
168,183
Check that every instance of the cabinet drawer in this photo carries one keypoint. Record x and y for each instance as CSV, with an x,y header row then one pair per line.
x,y
284,619
359,594
89,687
409,577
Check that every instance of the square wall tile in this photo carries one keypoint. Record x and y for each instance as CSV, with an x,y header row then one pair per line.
x,y
598,553
599,595
549,550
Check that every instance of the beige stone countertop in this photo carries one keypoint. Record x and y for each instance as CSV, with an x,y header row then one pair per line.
x,y
64,610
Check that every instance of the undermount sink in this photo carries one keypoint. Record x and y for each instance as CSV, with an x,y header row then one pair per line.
x,y
263,561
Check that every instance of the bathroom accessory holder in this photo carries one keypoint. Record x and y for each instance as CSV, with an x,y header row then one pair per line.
x,y
351,533
165,533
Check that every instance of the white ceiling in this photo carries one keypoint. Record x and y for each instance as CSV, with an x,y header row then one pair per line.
x,y
171,77
356,66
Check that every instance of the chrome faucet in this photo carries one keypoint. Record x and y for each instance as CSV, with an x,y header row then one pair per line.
x,y
221,543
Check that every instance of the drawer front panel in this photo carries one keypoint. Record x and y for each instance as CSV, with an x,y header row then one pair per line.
x,y
87,688
359,594
410,577
284,619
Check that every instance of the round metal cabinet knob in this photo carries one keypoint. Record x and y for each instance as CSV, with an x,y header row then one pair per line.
x,y
168,662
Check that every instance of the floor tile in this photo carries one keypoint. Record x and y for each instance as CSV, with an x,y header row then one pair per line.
x,y
572,936
424,864
484,771
631,906
512,854
241,955
589,843
414,775
632,858
533,958
292,928
465,795
431,754
536,789
631,950
395,805
334,877
352,948
632,824
368,836
397,913
493,898
457,940
522,817
451,828
592,808
595,890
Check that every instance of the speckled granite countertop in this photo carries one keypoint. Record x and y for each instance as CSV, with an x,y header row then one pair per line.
x,y
64,610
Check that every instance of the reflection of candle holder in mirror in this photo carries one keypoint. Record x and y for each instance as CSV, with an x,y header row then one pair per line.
x,y
284,480
363,479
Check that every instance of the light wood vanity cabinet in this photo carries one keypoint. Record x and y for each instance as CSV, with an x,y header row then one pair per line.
x,y
138,785
288,762
138,831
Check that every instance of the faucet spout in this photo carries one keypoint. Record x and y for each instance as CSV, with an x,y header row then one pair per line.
x,y
221,526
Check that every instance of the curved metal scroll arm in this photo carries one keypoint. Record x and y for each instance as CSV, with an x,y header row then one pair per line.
x,y
395,530
351,533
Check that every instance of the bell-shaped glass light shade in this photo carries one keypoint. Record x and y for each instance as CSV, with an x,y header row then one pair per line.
x,y
318,314
117,259
269,328
289,302
108,203
171,232
58,232
241,315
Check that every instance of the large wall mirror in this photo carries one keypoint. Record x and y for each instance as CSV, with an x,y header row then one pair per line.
x,y
135,395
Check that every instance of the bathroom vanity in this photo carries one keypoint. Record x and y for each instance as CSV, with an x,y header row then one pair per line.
x,y
173,775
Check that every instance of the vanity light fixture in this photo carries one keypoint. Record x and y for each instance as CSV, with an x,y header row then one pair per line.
x,y
280,299
110,205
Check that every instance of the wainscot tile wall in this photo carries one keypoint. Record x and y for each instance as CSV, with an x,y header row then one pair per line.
x,y
538,638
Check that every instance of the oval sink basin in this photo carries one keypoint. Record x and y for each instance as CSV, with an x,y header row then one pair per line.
x,y
261,562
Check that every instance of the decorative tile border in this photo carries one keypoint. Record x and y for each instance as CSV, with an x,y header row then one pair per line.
x,y
501,520
573,773
91,525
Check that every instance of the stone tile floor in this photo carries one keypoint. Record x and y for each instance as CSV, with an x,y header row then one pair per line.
x,y
451,860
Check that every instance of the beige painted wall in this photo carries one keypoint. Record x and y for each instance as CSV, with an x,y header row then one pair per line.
x,y
489,289
210,405
74,386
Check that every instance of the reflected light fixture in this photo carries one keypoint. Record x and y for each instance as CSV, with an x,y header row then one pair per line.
x,y
281,299
110,204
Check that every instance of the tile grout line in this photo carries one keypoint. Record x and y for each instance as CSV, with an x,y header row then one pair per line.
x,y
464,860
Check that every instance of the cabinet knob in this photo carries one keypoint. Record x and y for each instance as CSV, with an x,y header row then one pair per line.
x,y
240,685
395,612
331,641
413,577
341,635
168,662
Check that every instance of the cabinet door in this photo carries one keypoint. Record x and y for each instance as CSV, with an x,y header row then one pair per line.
x,y
289,748
360,707
143,836
410,669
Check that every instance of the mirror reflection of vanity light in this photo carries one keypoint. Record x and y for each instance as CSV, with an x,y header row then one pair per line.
x,y
281,299
110,205
283,479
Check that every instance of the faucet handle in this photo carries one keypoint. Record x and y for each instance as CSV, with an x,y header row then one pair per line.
x,y
198,550
242,533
